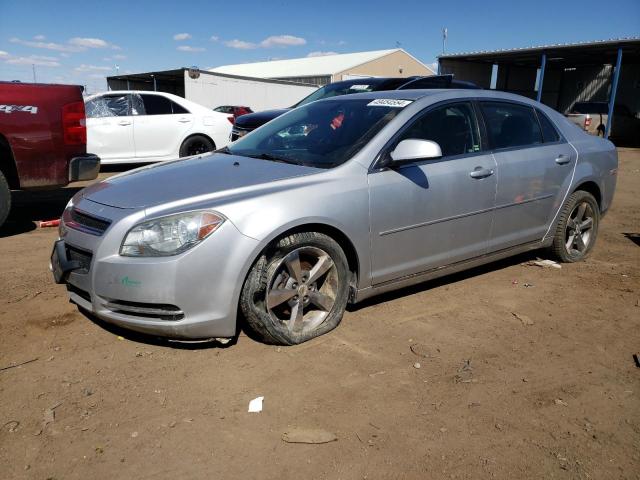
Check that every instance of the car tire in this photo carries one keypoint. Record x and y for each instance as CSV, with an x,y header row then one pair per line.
x,y
577,227
297,289
196,145
5,199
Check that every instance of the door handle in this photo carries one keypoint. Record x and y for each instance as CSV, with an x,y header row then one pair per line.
x,y
124,122
563,159
480,172
184,120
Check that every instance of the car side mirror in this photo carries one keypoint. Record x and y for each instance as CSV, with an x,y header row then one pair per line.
x,y
414,149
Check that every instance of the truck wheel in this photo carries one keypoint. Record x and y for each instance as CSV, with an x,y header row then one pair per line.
x,y
196,145
577,227
5,199
298,291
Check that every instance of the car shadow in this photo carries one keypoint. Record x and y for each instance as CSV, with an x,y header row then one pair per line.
x,y
28,207
446,280
634,237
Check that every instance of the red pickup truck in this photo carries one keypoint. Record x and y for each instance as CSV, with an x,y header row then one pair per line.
x,y
43,139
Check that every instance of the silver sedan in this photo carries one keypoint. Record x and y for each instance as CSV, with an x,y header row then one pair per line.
x,y
332,203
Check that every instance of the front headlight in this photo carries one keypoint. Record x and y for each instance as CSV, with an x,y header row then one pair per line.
x,y
170,235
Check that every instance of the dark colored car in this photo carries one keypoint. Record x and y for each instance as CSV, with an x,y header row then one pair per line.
x,y
43,139
247,123
235,110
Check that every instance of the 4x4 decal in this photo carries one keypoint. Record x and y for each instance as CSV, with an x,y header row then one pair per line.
x,y
19,108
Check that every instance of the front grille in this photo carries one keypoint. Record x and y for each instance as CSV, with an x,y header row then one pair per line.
x,y
87,223
83,257
78,291
156,311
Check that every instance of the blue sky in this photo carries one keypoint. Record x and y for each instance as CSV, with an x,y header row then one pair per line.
x,y
82,42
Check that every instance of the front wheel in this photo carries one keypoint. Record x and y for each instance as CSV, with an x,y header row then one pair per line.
x,y
196,145
577,227
297,291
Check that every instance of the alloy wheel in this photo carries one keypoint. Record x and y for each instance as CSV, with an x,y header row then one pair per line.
x,y
579,229
302,289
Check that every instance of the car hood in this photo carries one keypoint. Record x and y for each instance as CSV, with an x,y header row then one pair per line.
x,y
189,178
257,119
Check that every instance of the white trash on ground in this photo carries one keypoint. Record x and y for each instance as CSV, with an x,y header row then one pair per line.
x,y
255,405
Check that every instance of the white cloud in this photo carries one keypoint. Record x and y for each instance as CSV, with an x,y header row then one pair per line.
x,y
269,42
32,60
181,36
214,38
46,45
433,66
89,42
3,53
282,41
342,42
240,44
76,44
188,48
321,54
92,68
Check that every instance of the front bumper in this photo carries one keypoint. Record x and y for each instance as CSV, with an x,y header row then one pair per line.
x,y
85,167
189,296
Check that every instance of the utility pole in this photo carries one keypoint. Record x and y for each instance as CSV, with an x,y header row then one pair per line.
x,y
444,40
33,67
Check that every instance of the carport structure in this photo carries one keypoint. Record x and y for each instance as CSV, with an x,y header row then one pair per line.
x,y
558,75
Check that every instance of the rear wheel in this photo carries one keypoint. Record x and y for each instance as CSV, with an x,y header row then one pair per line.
x,y
196,145
5,199
298,291
577,227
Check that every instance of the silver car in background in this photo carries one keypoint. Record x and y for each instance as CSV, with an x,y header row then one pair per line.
x,y
331,203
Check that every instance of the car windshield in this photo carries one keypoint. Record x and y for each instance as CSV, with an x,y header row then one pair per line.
x,y
321,134
335,89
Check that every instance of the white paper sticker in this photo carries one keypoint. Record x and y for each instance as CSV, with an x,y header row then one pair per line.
x,y
358,87
255,405
389,102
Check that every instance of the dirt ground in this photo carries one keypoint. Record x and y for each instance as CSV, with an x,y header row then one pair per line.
x,y
524,372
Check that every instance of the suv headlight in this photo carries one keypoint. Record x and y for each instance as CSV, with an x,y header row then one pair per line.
x,y
170,235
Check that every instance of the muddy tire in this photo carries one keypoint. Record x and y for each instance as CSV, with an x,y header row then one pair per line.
x,y
577,227
196,145
5,199
297,290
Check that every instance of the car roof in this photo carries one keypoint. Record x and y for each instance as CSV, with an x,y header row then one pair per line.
x,y
442,93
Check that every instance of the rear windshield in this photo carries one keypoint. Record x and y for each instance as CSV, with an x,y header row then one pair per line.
x,y
335,89
321,134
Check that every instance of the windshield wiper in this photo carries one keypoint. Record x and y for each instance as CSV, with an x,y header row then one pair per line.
x,y
273,158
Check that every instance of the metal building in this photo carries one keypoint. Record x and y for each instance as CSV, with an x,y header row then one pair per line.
x,y
332,68
558,75
216,89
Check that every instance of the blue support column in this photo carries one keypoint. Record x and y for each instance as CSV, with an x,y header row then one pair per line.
x,y
614,89
543,64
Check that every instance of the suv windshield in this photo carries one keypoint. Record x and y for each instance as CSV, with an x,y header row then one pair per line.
x,y
335,89
321,134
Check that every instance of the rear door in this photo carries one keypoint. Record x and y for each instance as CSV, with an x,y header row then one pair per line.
x,y
433,212
160,126
534,166
110,128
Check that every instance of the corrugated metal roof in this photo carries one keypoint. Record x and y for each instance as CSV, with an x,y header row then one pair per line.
x,y
304,67
611,41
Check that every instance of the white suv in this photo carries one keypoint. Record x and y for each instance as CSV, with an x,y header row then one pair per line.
x,y
140,126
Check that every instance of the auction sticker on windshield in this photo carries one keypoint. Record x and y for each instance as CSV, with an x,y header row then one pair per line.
x,y
389,102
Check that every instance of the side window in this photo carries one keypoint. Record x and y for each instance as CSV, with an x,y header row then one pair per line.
x,y
178,108
108,106
156,105
511,125
453,127
549,132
